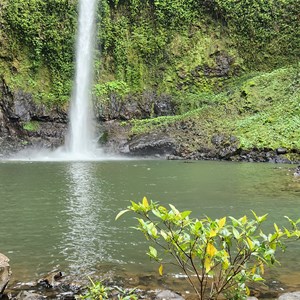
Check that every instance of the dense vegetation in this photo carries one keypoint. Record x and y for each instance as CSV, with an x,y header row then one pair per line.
x,y
219,257
195,51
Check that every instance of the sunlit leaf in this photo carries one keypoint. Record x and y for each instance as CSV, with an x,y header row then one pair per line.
x,y
163,234
211,250
160,270
174,209
235,233
185,214
134,206
153,231
122,212
222,222
262,268
253,270
207,264
225,264
250,243
212,233
243,220
152,252
145,202
262,218
247,291
276,227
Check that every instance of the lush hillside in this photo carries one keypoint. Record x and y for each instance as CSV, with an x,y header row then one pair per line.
x,y
234,62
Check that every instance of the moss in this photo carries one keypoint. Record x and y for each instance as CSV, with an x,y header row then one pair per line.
x,y
38,38
31,126
261,112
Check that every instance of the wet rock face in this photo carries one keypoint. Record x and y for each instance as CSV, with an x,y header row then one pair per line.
x,y
17,109
148,105
5,273
223,65
152,144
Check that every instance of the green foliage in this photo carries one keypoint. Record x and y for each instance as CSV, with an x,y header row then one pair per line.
x,y
106,90
261,110
219,257
148,125
47,28
265,30
31,126
45,31
99,291
268,109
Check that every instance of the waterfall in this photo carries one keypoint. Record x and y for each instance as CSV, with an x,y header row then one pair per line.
x,y
79,142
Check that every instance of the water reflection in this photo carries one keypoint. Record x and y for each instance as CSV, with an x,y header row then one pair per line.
x,y
83,240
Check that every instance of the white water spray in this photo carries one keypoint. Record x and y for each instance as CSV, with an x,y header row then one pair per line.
x,y
80,139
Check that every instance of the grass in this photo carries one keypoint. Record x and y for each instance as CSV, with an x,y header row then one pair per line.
x,y
262,111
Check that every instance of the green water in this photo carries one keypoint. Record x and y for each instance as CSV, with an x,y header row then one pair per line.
x,y
61,214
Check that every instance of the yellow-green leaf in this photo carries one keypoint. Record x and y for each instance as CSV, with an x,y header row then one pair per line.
x,y
225,264
207,264
160,270
174,210
145,202
262,268
152,252
222,222
247,291
212,233
250,243
211,250
243,220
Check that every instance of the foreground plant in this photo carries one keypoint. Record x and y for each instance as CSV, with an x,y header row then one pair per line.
x,y
99,291
217,256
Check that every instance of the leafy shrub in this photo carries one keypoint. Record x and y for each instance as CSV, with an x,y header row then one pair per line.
x,y
218,256
99,291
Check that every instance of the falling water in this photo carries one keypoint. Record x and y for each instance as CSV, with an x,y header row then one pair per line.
x,y
80,139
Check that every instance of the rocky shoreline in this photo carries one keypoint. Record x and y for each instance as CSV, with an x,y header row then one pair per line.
x,y
25,125
56,285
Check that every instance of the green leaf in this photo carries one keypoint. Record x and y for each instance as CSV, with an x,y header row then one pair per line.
x,y
250,243
243,220
185,214
122,212
152,252
174,210
236,234
135,206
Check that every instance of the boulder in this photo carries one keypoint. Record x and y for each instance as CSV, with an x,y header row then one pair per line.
x,y
168,295
5,273
28,295
51,280
152,144
290,296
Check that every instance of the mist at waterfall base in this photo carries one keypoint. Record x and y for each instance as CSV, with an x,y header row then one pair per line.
x,y
81,140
